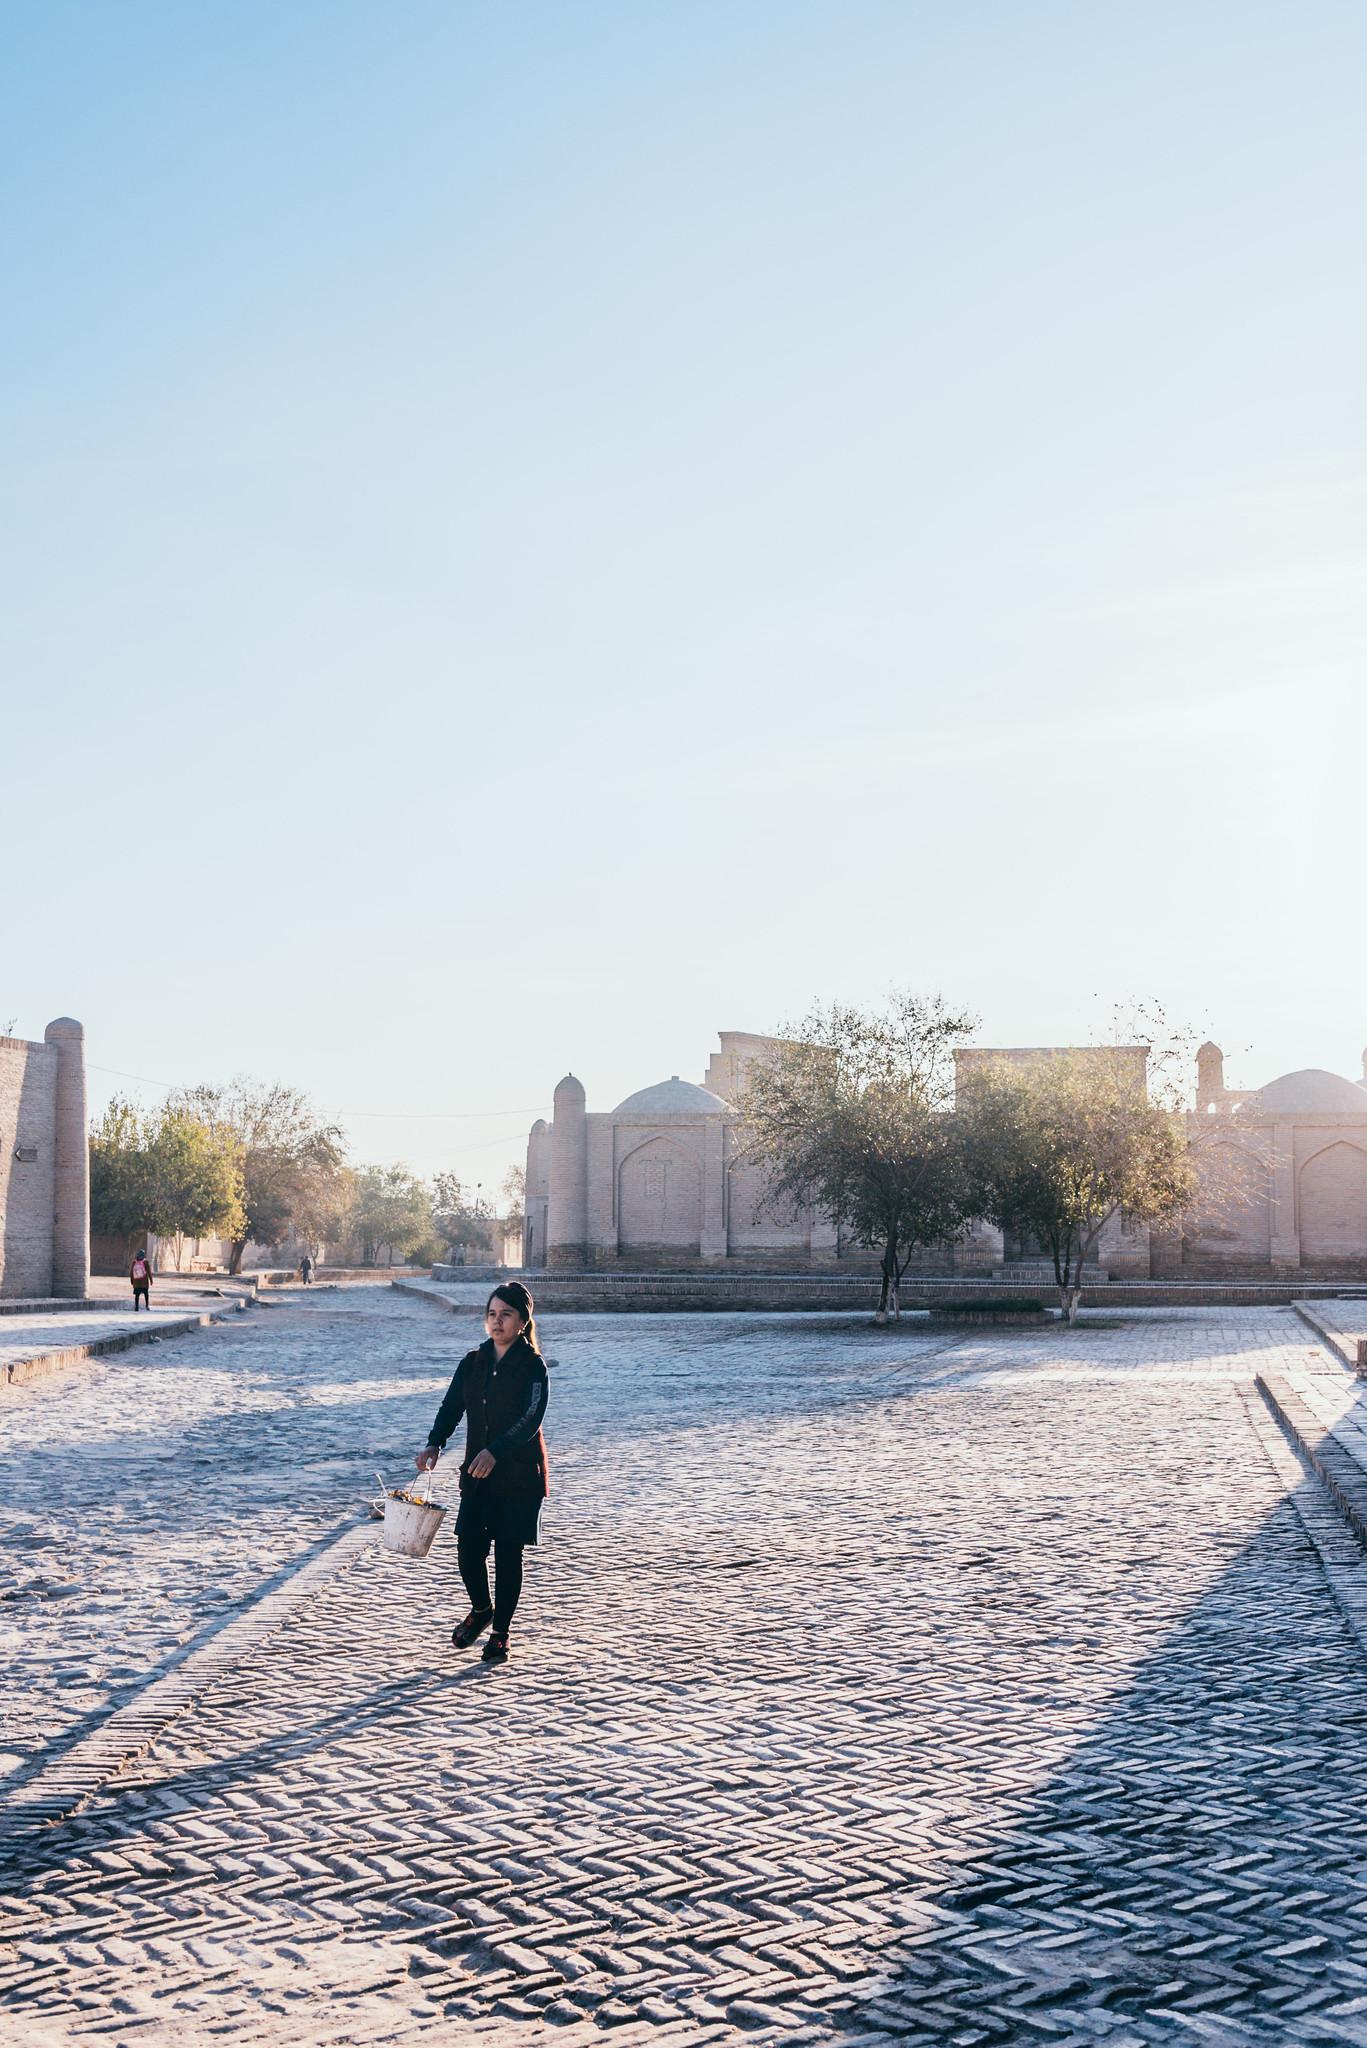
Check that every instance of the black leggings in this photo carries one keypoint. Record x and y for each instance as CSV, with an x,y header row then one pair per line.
x,y
472,1555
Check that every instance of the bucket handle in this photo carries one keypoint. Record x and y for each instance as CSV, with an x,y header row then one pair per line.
x,y
388,1490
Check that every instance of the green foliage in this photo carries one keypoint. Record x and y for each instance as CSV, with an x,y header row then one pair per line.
x,y
515,1195
851,1115
121,1198
293,1166
393,1212
167,1171
428,1253
1058,1144
196,1178
460,1219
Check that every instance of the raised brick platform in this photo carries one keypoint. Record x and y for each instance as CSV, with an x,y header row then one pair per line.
x,y
770,1293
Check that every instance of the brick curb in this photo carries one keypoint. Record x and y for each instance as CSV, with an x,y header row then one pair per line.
x,y
1337,1468
427,1293
55,1793
183,1287
1334,1339
1341,1556
59,1305
19,1370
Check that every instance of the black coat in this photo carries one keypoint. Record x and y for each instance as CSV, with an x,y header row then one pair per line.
x,y
502,1401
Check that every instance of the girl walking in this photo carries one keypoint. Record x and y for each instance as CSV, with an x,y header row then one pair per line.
x,y
501,1391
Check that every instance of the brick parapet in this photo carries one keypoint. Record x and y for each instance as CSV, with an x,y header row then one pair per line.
x,y
666,1293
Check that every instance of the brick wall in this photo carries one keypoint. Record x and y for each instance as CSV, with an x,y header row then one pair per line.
x,y
28,1111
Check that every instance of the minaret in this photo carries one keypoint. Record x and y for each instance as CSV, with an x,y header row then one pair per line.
x,y
71,1149
568,1226
536,1203
1210,1077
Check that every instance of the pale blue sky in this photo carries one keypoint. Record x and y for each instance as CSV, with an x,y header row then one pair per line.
x,y
534,533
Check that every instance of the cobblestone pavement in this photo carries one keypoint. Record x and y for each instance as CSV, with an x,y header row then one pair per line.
x,y
31,1335
871,1686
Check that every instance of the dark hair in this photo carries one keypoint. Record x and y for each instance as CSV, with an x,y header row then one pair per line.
x,y
517,1297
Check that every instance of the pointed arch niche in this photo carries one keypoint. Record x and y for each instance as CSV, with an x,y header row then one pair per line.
x,y
1333,1203
1235,1212
659,1198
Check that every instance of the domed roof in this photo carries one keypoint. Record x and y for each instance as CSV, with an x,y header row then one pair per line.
x,y
676,1098
1310,1088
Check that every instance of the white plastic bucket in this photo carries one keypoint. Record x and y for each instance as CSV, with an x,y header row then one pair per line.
x,y
410,1528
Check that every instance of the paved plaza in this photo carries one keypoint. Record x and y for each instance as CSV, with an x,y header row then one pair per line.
x,y
871,1686
32,1339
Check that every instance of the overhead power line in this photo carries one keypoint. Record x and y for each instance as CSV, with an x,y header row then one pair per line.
x,y
535,1109
396,1115
95,1068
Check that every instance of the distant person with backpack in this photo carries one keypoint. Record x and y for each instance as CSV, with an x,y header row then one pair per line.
x,y
140,1273
306,1268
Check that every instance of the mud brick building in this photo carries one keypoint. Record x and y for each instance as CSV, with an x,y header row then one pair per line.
x,y
659,1183
44,1164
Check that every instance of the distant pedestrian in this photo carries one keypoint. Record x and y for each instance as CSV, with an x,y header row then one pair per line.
x,y
501,1391
140,1273
306,1268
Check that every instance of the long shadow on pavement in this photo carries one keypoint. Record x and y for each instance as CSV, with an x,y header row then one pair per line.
x,y
1197,1870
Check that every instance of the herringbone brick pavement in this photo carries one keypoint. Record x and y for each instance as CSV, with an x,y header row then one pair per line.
x,y
144,1500
1012,1710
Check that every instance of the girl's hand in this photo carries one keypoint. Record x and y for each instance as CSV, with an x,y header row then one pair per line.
x,y
482,1464
426,1458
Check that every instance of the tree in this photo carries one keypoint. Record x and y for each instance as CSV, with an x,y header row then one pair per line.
x,y
851,1115
393,1212
195,1179
291,1162
459,1218
121,1200
1061,1142
515,1195
168,1171
323,1206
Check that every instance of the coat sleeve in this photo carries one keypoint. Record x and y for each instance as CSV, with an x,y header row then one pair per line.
x,y
451,1409
529,1421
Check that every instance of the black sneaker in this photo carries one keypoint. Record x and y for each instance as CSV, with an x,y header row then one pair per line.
x,y
472,1628
496,1649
